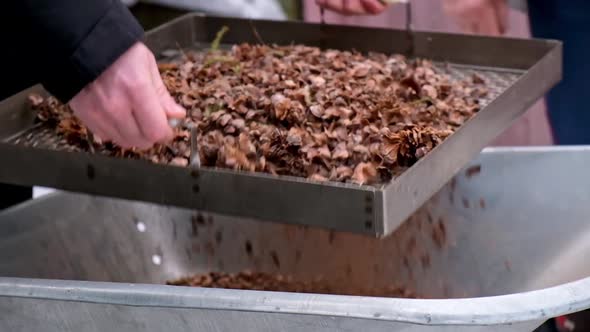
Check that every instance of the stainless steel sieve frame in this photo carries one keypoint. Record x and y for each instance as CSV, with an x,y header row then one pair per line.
x,y
518,71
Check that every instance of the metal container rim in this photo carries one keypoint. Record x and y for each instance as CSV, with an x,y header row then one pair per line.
x,y
495,310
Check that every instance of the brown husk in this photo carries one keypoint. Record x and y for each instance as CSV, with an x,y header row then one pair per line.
x,y
296,110
275,282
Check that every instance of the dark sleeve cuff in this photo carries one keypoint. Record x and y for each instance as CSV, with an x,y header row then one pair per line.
x,y
112,36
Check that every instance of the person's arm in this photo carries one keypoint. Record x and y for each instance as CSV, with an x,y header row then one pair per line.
x,y
89,53
354,7
485,17
74,41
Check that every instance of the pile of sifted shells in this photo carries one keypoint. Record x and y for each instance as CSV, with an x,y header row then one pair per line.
x,y
301,111
275,282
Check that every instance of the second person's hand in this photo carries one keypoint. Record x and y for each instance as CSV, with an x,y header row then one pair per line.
x,y
128,103
354,7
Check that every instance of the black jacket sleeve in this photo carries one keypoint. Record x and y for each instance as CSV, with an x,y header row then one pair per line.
x,y
66,44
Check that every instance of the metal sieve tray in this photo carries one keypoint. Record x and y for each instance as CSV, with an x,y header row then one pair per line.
x,y
518,72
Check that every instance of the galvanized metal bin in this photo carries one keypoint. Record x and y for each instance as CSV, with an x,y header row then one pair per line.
x,y
513,252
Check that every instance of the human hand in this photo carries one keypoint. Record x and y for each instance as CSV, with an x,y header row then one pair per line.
x,y
483,17
128,103
354,7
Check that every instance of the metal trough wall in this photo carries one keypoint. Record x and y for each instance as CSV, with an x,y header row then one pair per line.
x,y
515,223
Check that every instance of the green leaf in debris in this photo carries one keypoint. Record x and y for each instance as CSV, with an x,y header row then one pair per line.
x,y
219,58
218,37
278,53
424,100
237,68
213,108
